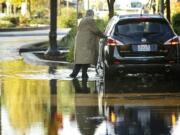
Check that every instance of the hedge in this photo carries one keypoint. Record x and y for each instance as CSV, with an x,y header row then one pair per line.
x,y
176,23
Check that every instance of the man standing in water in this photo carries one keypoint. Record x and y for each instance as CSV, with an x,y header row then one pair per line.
x,y
85,51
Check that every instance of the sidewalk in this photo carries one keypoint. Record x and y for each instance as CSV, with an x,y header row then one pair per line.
x,y
42,34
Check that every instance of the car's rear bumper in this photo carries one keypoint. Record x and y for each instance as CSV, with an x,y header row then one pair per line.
x,y
143,67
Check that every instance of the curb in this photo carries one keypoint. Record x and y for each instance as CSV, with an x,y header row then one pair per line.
x,y
31,58
42,32
24,29
29,53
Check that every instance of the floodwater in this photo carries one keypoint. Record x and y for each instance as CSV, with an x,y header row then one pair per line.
x,y
42,100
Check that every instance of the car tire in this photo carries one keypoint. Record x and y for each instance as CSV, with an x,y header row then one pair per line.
x,y
108,74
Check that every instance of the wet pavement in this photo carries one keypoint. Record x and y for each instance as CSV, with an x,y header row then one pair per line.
x,y
42,100
11,42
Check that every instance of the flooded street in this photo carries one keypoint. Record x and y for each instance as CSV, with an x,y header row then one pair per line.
x,y
42,100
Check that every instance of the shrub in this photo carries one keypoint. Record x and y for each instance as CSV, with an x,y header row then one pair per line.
x,y
70,55
176,22
101,23
24,21
40,16
5,24
40,13
14,20
39,21
68,42
67,19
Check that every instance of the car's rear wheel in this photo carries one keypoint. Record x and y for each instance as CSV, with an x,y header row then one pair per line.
x,y
108,74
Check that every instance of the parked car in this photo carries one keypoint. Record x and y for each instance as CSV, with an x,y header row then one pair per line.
x,y
138,43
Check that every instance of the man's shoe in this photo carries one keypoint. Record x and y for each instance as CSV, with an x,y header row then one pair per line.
x,y
85,76
72,75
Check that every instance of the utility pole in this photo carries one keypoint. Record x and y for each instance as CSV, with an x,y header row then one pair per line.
x,y
53,50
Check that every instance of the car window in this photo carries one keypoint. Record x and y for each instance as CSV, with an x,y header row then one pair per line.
x,y
154,29
124,29
143,26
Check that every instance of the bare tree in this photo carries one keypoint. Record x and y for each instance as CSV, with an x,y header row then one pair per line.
x,y
111,8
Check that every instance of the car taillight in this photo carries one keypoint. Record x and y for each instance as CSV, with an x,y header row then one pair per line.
x,y
113,42
116,61
172,41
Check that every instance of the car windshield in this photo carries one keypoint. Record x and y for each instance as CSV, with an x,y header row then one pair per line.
x,y
156,31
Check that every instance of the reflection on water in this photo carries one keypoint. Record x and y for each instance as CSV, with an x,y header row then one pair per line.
x,y
125,120
149,83
49,106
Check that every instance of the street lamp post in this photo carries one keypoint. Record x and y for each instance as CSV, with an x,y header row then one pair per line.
x,y
53,128
53,49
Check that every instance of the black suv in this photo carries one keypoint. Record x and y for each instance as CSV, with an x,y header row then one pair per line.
x,y
138,43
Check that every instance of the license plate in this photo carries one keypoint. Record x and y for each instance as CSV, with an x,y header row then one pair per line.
x,y
144,48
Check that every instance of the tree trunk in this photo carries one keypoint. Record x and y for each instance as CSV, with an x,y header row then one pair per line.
x,y
168,10
8,7
14,9
162,7
29,7
1,8
59,13
67,7
111,8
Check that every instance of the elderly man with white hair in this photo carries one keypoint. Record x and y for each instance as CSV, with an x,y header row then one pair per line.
x,y
85,50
